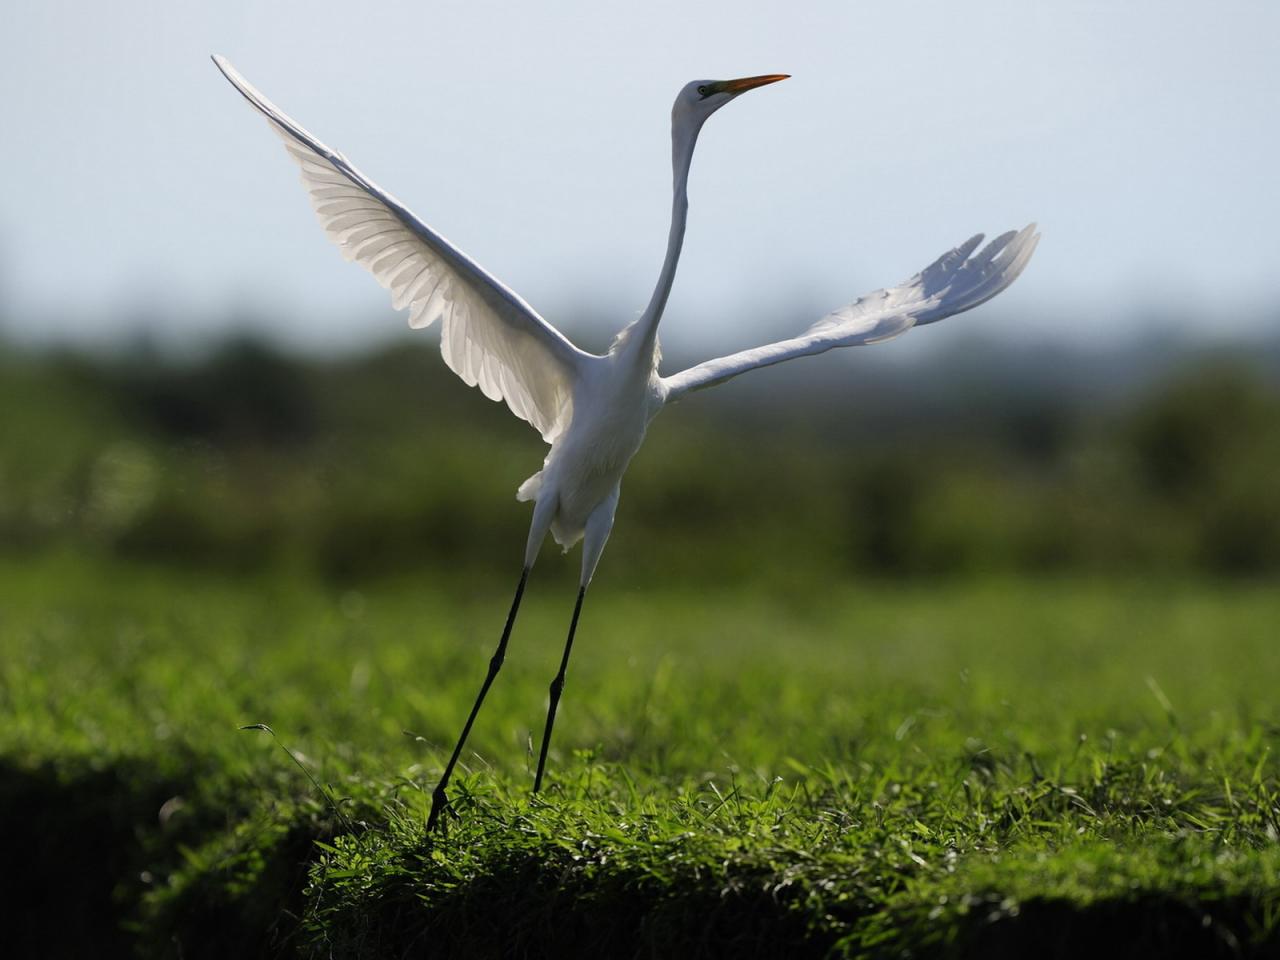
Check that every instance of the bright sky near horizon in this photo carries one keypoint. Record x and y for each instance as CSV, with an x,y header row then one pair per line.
x,y
1141,135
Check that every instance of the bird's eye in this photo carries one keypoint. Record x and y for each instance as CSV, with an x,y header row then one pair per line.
x,y
704,90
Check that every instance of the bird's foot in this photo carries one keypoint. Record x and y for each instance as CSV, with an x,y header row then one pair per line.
x,y
441,811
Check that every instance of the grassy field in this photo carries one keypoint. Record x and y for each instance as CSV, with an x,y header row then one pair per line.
x,y
930,661
985,768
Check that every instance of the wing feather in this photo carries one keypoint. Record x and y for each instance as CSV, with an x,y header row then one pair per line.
x,y
958,280
490,337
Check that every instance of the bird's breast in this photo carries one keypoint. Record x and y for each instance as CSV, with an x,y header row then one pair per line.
x,y
608,427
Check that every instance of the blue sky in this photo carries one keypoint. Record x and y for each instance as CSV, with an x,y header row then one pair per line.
x,y
1141,135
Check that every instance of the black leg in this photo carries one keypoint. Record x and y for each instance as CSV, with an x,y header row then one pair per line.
x,y
557,685
439,800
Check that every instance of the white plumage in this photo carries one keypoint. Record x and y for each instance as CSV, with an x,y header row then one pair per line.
x,y
953,283
592,410
490,337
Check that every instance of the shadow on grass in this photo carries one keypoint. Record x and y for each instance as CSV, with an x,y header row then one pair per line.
x,y
88,846
533,907
1146,926
76,845
538,907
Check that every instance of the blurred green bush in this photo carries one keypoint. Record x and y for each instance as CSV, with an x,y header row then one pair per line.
x,y
384,464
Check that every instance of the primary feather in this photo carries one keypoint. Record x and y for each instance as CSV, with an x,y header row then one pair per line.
x,y
490,337
955,282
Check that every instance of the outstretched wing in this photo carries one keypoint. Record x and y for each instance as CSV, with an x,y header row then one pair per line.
x,y
490,337
955,282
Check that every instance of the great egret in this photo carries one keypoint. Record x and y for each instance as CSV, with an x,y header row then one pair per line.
x,y
592,410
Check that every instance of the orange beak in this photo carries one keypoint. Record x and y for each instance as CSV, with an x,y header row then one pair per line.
x,y
749,83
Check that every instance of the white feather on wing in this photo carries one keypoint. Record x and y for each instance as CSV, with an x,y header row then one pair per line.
x,y
955,282
490,337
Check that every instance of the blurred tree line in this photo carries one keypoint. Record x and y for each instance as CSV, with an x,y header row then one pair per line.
x,y
384,464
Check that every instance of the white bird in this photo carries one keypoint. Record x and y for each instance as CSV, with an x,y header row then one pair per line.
x,y
592,410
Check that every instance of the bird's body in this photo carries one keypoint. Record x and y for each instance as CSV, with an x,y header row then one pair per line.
x,y
617,396
593,410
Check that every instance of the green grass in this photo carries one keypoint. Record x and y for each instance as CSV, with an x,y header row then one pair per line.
x,y
988,768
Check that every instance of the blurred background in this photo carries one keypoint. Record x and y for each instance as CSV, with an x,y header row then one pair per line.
x,y
189,374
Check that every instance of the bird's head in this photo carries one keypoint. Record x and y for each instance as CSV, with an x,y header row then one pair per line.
x,y
701,98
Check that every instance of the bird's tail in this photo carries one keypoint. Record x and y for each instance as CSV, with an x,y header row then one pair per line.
x,y
530,488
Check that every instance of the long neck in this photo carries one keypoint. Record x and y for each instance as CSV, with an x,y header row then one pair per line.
x,y
645,334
